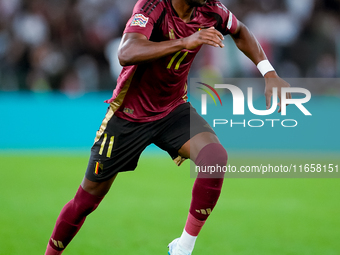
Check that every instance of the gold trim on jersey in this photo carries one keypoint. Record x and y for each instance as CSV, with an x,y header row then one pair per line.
x,y
120,98
172,34
179,160
185,96
103,126
114,105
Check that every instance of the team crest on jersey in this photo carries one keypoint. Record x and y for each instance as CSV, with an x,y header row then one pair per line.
x,y
139,20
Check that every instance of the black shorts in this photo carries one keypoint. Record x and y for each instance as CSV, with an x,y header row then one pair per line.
x,y
119,143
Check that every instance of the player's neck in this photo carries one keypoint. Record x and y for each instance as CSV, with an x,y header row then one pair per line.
x,y
184,11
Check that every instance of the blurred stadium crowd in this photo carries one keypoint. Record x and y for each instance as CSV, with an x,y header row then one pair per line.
x,y
70,45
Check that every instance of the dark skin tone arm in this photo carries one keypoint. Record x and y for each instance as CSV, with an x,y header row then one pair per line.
x,y
135,48
248,44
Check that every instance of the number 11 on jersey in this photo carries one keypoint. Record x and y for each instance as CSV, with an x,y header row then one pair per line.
x,y
179,61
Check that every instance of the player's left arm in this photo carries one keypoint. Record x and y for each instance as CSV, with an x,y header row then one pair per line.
x,y
249,45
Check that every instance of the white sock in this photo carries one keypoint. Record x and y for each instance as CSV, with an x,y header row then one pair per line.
x,y
187,241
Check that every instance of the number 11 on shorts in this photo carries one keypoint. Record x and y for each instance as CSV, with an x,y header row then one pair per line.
x,y
109,150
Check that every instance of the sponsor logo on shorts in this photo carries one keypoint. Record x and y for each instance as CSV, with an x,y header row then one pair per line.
x,y
139,20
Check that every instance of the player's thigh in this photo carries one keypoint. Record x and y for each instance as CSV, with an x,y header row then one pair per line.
x,y
117,148
99,189
180,127
192,147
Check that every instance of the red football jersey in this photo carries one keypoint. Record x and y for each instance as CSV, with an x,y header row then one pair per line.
x,y
150,91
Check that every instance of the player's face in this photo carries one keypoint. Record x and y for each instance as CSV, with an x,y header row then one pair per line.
x,y
196,3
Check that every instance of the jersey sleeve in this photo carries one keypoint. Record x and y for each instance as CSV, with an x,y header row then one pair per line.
x,y
228,22
145,15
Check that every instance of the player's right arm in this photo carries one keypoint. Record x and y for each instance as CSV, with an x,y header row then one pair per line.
x,y
135,48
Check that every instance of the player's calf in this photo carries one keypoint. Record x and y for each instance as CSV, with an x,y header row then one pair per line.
x,y
205,192
71,219
208,185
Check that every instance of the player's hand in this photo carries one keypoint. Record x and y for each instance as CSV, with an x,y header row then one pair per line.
x,y
274,81
209,36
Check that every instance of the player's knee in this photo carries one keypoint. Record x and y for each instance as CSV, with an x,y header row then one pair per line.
x,y
212,160
85,203
220,156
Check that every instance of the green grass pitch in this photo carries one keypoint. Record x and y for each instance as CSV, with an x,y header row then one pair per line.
x,y
147,209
